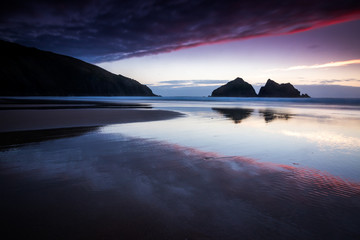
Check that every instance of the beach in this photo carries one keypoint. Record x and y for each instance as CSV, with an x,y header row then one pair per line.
x,y
181,170
40,114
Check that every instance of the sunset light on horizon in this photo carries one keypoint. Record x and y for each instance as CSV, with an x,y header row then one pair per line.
x,y
326,56
302,42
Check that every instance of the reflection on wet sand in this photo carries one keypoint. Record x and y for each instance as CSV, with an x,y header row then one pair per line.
x,y
109,186
270,115
239,114
236,114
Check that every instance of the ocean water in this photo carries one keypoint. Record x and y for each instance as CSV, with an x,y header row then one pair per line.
x,y
323,134
230,168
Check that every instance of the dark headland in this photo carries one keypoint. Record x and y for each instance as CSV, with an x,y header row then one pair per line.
x,y
31,72
240,88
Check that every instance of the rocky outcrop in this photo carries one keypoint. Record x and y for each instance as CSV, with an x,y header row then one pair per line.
x,y
235,88
31,72
285,90
240,88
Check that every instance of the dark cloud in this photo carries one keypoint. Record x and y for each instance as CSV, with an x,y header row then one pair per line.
x,y
109,30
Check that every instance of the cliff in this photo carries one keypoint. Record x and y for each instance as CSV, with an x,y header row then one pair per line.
x,y
235,88
32,72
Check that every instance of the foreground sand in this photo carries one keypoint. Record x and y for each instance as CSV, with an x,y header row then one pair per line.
x,y
106,183
98,185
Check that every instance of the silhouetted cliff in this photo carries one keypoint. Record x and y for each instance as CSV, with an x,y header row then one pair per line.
x,y
273,89
31,72
235,88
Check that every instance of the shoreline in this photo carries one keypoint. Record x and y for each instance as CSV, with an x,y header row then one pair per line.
x,y
36,119
46,114
21,103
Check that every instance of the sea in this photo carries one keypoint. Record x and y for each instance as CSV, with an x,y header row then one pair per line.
x,y
319,133
228,168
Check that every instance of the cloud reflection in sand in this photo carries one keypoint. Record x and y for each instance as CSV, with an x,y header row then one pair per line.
x,y
327,140
198,192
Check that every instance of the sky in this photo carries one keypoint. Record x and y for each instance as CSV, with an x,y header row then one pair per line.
x,y
190,47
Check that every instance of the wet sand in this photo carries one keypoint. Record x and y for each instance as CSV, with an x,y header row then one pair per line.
x,y
39,114
101,183
20,120
109,186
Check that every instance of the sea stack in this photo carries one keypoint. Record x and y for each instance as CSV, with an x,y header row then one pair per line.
x,y
285,90
235,88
